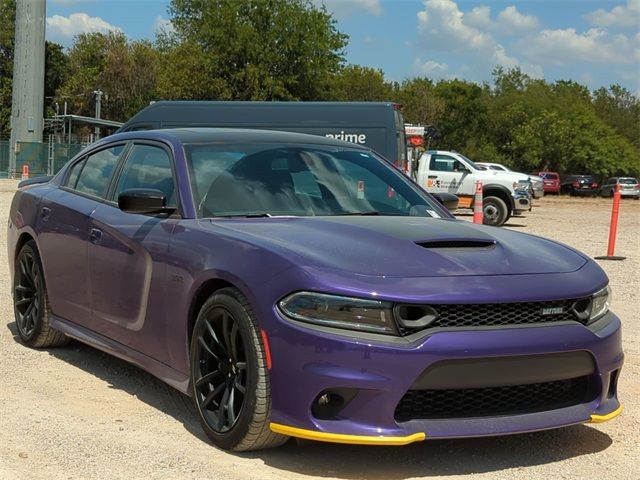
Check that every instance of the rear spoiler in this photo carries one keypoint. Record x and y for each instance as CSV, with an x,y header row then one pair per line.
x,y
34,181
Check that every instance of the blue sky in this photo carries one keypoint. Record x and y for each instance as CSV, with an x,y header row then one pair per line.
x,y
594,42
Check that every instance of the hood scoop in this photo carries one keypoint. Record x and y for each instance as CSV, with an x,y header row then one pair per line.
x,y
431,244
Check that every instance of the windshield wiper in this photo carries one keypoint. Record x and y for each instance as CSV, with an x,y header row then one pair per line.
x,y
245,215
366,213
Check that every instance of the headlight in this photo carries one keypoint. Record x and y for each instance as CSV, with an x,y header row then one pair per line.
x,y
340,312
590,309
600,302
521,186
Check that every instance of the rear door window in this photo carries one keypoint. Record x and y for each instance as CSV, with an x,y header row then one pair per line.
x,y
95,174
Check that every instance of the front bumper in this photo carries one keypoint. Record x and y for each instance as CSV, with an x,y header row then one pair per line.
x,y
308,362
521,203
630,193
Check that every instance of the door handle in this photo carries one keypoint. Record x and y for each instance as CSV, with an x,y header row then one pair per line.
x,y
44,213
432,176
95,236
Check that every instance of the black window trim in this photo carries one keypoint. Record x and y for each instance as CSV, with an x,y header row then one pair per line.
x,y
83,158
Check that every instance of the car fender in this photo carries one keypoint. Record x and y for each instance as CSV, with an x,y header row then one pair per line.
x,y
502,188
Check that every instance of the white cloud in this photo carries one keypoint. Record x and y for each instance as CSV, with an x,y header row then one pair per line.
x,y
162,25
65,28
430,68
443,27
344,8
479,17
596,45
621,16
510,20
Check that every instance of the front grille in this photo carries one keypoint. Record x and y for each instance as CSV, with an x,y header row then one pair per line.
x,y
491,314
492,401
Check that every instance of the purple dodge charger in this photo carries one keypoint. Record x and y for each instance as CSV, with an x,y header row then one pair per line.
x,y
299,286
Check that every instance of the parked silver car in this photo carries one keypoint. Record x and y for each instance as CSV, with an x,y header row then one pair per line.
x,y
629,187
537,183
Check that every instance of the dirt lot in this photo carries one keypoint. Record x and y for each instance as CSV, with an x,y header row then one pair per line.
x,y
75,413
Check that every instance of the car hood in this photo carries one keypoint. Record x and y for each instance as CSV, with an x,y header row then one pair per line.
x,y
402,246
513,176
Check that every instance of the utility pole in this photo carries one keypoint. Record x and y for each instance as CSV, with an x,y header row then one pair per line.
x,y
27,103
98,94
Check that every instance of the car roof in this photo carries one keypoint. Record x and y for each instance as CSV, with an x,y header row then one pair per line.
x,y
230,135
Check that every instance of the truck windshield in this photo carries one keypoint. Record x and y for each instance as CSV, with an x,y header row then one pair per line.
x,y
300,180
473,165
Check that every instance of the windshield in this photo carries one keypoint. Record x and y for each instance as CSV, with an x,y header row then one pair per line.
x,y
473,165
301,180
628,181
549,176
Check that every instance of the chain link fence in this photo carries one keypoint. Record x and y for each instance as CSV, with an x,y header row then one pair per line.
x,y
41,158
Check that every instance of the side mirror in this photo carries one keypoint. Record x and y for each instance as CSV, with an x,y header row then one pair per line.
x,y
143,200
449,200
460,167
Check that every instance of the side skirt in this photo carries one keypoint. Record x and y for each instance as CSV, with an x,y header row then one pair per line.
x,y
167,374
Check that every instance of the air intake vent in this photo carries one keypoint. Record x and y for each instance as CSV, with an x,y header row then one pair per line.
x,y
458,244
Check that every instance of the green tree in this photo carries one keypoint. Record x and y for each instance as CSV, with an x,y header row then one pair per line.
x,y
420,104
250,50
620,109
361,84
126,71
56,69
464,114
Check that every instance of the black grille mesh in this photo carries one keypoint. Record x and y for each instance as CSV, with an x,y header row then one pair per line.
x,y
499,314
491,401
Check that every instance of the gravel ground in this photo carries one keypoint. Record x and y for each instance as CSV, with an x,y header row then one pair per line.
x,y
76,413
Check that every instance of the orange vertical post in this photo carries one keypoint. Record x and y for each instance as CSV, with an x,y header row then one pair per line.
x,y
478,213
613,227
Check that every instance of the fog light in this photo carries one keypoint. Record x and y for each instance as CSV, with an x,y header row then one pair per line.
x,y
329,403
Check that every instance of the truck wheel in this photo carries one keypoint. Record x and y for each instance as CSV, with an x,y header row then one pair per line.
x,y
495,211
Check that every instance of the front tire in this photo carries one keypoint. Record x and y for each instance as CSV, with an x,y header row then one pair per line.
x,y
229,375
494,211
31,303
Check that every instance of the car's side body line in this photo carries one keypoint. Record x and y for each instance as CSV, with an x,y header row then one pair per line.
x,y
164,372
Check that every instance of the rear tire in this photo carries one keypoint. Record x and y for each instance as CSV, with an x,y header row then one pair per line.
x,y
31,303
229,377
495,212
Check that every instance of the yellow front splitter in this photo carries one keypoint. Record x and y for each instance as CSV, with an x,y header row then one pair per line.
x,y
607,417
344,438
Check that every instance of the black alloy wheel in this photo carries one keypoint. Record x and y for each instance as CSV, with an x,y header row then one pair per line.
x,y
27,294
230,380
30,301
222,370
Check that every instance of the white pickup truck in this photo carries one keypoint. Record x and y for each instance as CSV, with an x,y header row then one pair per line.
x,y
504,193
